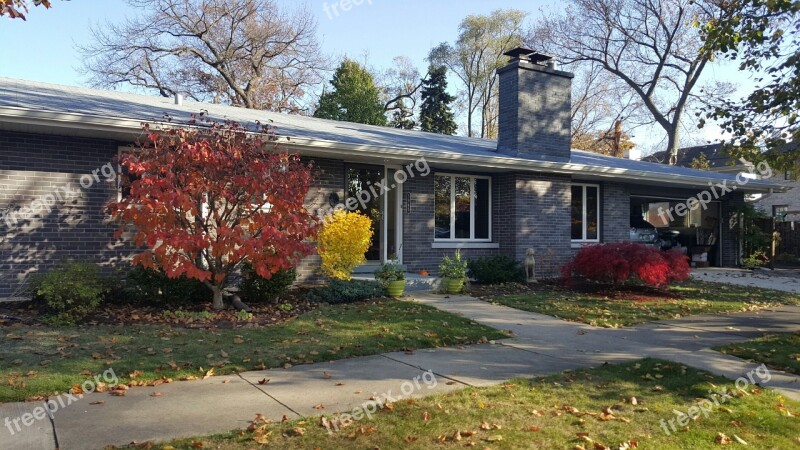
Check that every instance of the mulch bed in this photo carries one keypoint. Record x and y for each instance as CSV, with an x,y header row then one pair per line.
x,y
30,313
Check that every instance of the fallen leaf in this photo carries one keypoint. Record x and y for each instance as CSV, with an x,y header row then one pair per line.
x,y
319,406
426,416
263,382
295,432
156,394
722,439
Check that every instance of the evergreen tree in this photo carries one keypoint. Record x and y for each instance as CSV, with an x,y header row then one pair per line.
x,y
435,114
354,98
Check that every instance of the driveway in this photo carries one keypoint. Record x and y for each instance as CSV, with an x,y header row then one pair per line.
x,y
787,280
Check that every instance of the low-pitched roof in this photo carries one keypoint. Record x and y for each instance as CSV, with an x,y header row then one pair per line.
x,y
716,154
28,105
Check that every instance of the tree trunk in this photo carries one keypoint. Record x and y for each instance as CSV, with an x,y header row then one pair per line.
x,y
217,303
673,144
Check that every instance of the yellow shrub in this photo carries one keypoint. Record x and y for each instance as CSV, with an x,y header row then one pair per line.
x,y
343,240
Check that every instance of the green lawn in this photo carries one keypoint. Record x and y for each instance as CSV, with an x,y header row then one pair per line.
x,y
40,360
590,409
778,351
689,298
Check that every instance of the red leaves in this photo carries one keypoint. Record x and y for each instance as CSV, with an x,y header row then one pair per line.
x,y
618,263
218,194
16,9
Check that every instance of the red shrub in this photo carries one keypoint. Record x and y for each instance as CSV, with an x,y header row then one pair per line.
x,y
627,261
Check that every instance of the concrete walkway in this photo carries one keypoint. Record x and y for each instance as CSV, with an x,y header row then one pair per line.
x,y
542,345
751,278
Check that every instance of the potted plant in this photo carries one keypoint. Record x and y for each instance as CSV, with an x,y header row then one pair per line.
x,y
393,277
454,272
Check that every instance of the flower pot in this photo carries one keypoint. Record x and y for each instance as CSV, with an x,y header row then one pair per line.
x,y
453,285
396,288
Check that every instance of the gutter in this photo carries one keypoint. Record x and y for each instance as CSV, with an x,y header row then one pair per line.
x,y
133,128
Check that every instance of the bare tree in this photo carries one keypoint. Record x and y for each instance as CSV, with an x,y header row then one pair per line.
x,y
400,86
474,59
247,53
649,45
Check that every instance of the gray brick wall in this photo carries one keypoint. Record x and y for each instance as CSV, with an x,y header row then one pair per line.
x,y
615,206
418,227
542,219
33,166
329,178
535,111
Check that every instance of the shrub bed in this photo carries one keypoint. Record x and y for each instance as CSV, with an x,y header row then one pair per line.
x,y
497,269
627,262
339,291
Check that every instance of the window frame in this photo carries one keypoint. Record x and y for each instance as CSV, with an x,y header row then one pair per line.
x,y
472,179
584,230
781,217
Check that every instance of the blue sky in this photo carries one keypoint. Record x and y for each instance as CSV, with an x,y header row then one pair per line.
x,y
43,47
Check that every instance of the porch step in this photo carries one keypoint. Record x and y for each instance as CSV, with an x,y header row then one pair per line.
x,y
414,282
370,268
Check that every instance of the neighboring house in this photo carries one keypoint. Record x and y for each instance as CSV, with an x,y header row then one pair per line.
x,y
526,190
784,205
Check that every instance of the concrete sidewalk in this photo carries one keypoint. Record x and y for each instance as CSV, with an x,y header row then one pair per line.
x,y
751,278
542,345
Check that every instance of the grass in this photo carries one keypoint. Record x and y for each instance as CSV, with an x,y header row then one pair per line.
x,y
777,351
38,361
554,412
686,299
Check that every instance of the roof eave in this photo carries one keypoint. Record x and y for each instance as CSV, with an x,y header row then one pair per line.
x,y
132,128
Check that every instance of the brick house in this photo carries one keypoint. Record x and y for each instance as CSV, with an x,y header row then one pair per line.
x,y
526,190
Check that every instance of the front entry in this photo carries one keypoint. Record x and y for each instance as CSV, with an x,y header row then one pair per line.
x,y
381,206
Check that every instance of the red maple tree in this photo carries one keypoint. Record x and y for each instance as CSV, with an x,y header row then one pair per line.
x,y
205,200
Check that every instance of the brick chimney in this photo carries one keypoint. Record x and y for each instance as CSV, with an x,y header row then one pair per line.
x,y
535,107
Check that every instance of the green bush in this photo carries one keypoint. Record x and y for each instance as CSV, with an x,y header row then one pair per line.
x,y
496,269
455,267
340,291
257,289
151,286
70,291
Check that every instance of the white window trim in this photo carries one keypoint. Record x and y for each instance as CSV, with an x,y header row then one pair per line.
x,y
472,178
599,215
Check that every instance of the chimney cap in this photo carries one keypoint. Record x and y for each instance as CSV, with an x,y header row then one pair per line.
x,y
526,54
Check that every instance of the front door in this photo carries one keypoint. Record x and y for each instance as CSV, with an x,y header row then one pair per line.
x,y
383,208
